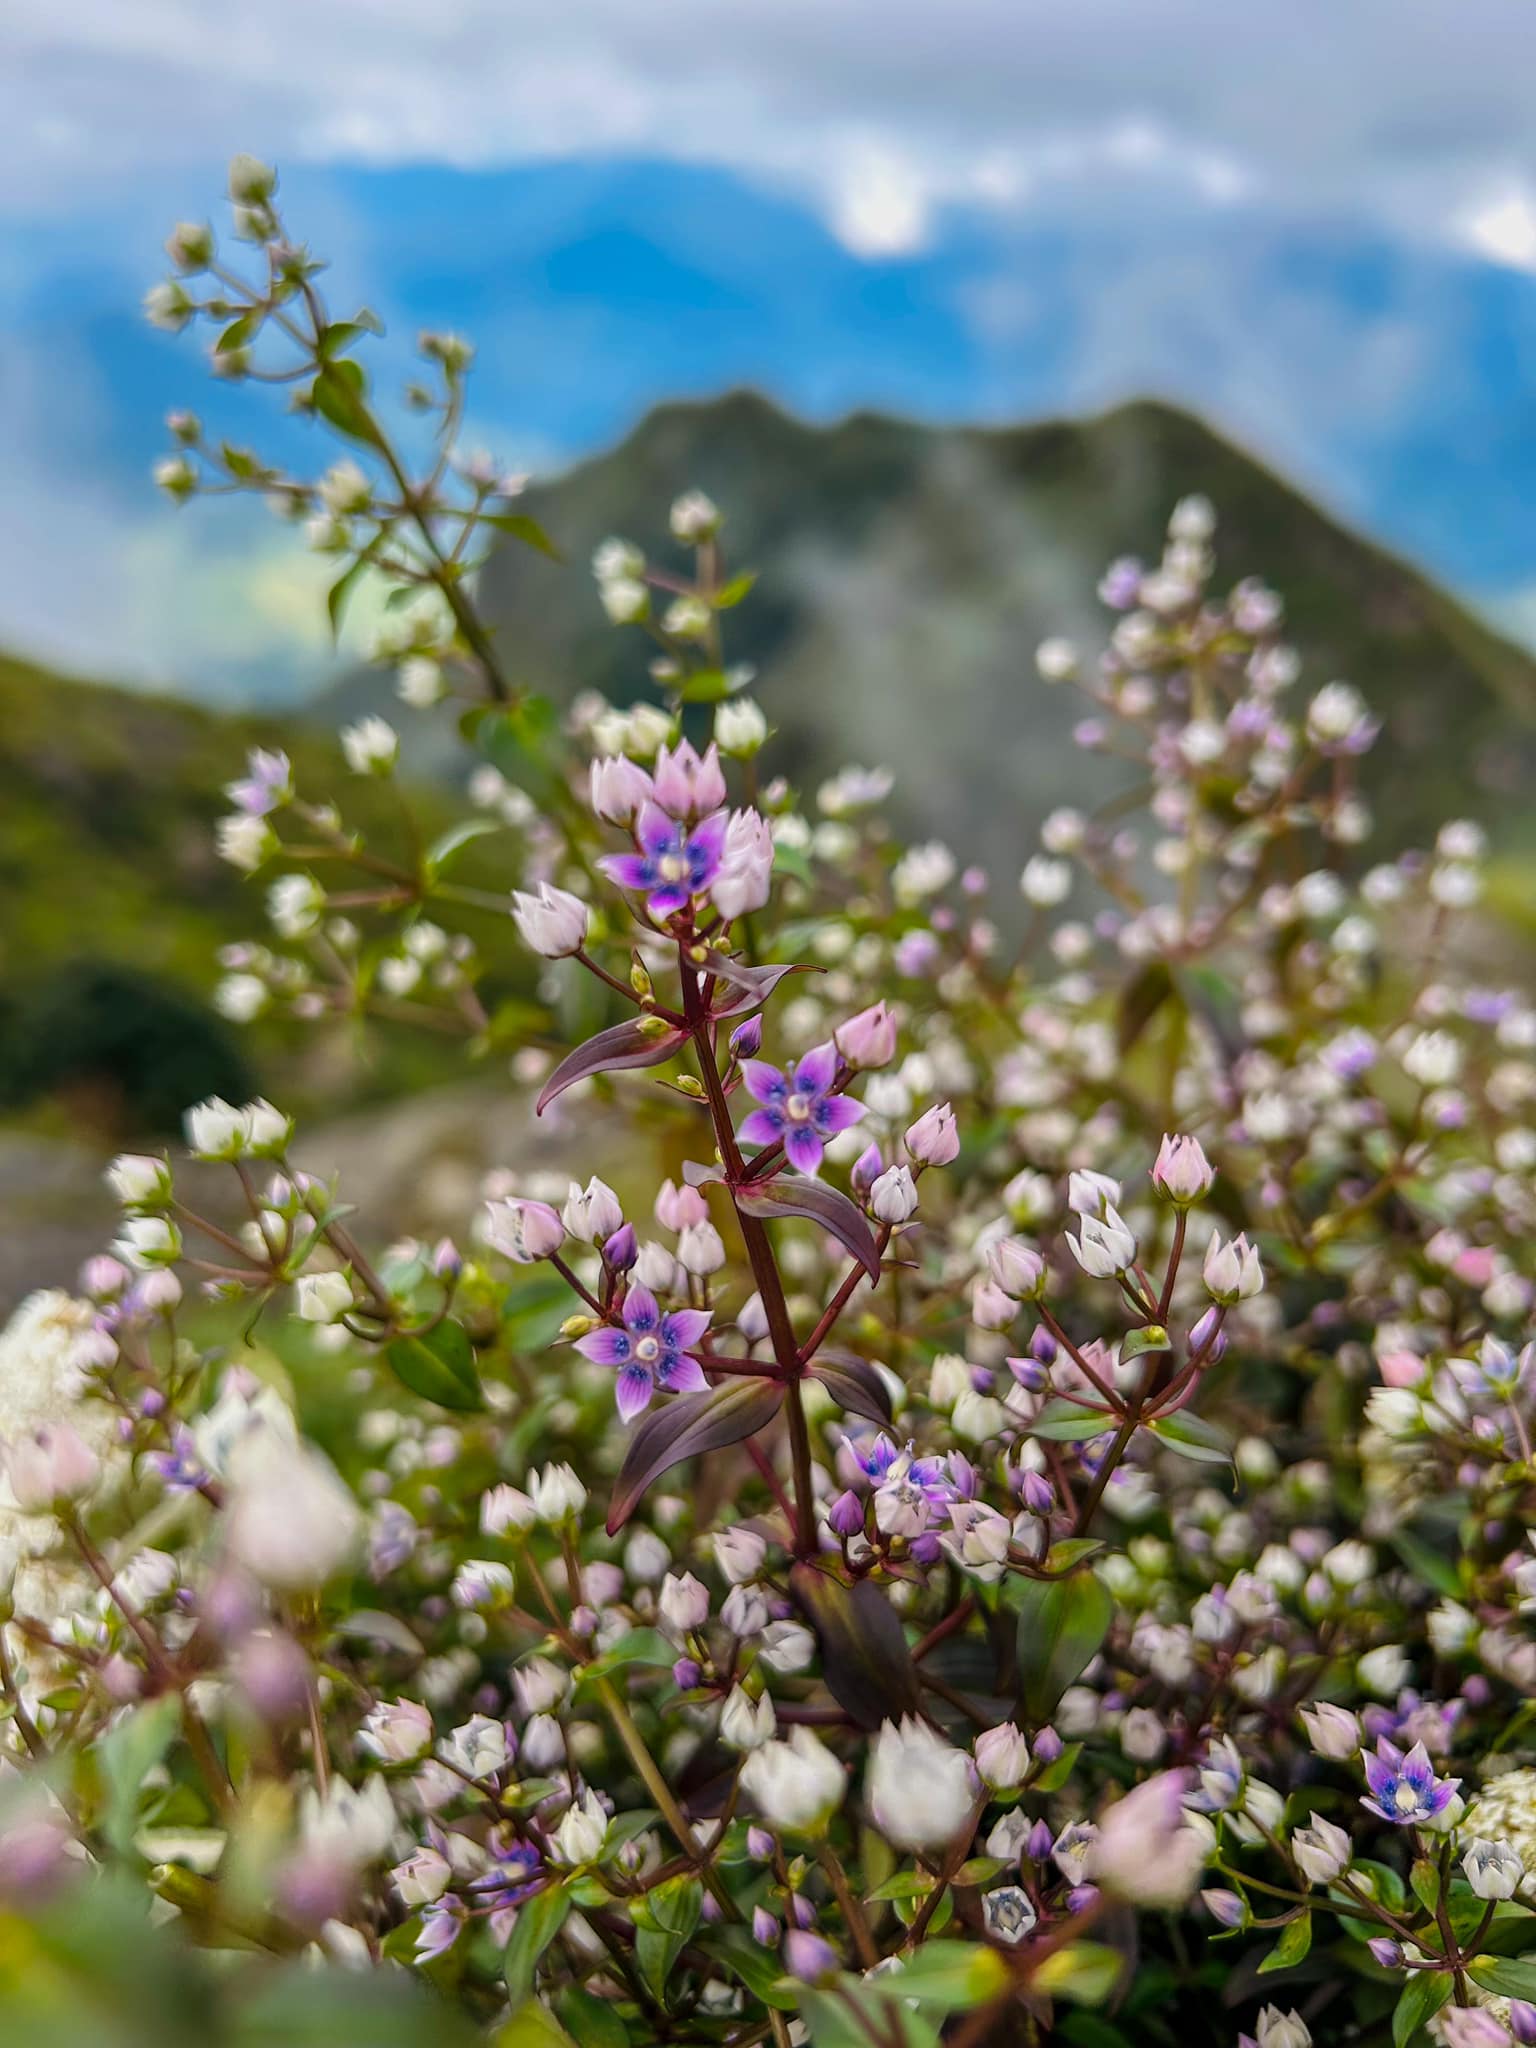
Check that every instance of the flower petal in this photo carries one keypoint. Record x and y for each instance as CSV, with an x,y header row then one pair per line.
x,y
706,841
764,1083
632,1391
762,1127
682,1375
641,1314
629,870
675,896
605,1346
655,831
816,1071
682,1328
837,1113
802,1148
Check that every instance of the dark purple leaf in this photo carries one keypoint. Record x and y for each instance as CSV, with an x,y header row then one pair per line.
x,y
638,1043
789,1195
755,984
854,1384
686,1427
864,1656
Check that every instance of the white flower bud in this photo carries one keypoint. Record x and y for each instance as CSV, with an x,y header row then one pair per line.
x,y
746,1723
323,1297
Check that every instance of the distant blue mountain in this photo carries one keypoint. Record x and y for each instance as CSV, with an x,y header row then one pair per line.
x,y
1396,382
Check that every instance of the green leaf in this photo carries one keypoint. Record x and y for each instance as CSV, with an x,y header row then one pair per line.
x,y
1425,1879
522,528
955,1975
338,395
239,333
535,2026
439,1365
127,1755
592,2020
903,1885
448,843
538,1921
341,334
1386,1887
665,1919
1428,1563
1055,1775
1068,1422
755,1966
1153,1338
1423,1995
857,2015
1293,1944
707,686
1509,1976
1193,1437
636,1646
1085,1971
1062,1623
734,590
336,597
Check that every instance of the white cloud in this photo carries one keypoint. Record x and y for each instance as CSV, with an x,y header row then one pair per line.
x,y
1502,226
887,109
880,205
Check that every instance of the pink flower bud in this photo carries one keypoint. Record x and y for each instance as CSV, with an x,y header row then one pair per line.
x,y
552,921
934,1140
745,875
1144,1851
846,1515
523,1231
892,1196
619,788
679,1207
808,1957
274,1674
49,1465
1017,1268
687,786
1402,1368
1182,1172
869,1039
991,1308
1002,1757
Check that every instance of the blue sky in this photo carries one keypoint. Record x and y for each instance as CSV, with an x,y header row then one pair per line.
x,y
1314,223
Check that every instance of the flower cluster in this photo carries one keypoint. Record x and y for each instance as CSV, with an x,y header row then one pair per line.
x,y
1010,1492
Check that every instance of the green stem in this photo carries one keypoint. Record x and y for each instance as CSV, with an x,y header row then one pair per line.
x,y
657,1786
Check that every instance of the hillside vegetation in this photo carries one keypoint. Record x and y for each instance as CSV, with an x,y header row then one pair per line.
x,y
907,573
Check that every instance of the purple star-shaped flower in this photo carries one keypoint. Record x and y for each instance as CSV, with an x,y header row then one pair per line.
x,y
650,1351
877,1459
674,864
516,1873
797,1106
1405,1788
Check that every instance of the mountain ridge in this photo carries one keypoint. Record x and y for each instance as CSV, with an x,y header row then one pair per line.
x,y
907,572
